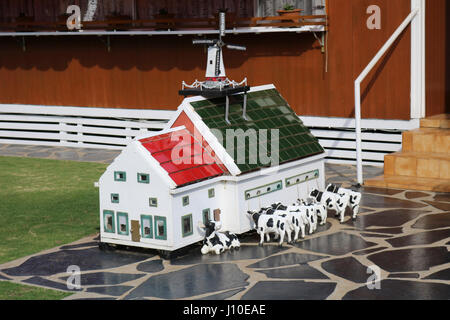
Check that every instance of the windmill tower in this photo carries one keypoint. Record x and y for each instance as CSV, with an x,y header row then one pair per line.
x,y
216,83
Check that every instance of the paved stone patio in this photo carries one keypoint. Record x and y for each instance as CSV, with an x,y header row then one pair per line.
x,y
405,233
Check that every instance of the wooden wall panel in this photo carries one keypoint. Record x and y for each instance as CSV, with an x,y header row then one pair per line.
x,y
437,57
146,72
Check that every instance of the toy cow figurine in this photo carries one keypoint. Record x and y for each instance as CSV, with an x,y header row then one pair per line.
x,y
333,201
217,242
355,197
266,224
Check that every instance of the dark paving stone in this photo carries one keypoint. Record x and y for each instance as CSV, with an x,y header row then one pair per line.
x,y
387,218
376,235
289,290
324,227
427,237
100,298
106,278
364,252
444,206
401,290
440,275
381,191
444,197
4,278
192,281
151,266
376,201
286,259
415,195
48,283
433,221
223,295
115,291
339,243
42,154
244,253
415,259
81,245
348,268
405,275
387,230
86,259
299,272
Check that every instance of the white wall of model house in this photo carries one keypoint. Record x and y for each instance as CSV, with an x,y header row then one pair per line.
x,y
229,195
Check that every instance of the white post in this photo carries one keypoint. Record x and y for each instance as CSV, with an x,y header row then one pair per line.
x,y
358,81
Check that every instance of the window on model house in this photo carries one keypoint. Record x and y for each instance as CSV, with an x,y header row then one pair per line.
x,y
186,225
114,197
160,228
120,176
143,178
147,226
211,193
122,223
108,221
153,202
206,214
185,200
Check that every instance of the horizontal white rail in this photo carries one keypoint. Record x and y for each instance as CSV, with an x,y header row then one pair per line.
x,y
107,128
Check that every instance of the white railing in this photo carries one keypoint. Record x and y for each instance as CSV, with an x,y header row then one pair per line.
x,y
103,128
358,81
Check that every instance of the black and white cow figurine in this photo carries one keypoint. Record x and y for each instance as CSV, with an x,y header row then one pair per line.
x,y
320,210
217,242
355,197
304,214
266,224
333,201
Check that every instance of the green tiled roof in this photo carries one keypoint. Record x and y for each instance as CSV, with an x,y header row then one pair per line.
x,y
265,110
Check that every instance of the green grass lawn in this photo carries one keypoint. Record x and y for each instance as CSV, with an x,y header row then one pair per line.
x,y
14,291
46,203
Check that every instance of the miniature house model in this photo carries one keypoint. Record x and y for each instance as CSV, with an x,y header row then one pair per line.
x,y
163,184
228,149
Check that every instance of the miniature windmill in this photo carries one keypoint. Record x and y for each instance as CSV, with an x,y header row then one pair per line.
x,y
216,83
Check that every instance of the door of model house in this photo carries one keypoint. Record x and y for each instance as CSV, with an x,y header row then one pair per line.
x,y
135,231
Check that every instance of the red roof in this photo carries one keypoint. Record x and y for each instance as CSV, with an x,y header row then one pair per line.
x,y
182,156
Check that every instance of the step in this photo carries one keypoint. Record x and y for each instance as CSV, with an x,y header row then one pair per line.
x,y
417,164
437,121
427,140
409,183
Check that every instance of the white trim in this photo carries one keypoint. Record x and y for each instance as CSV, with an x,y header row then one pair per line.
x,y
255,30
158,133
334,122
86,111
418,46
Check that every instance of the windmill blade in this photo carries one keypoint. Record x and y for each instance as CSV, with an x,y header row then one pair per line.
x,y
217,71
222,23
203,41
235,47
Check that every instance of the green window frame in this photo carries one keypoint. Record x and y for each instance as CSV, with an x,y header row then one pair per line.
x,y
143,178
153,202
211,193
187,228
185,201
126,231
149,219
112,228
158,234
120,176
114,197
206,215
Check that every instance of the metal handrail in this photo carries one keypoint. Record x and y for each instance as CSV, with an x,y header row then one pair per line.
x,y
358,81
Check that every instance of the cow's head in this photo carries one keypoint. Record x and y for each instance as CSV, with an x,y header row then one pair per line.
x,y
210,227
255,216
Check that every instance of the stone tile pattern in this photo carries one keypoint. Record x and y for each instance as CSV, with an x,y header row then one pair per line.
x,y
332,263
